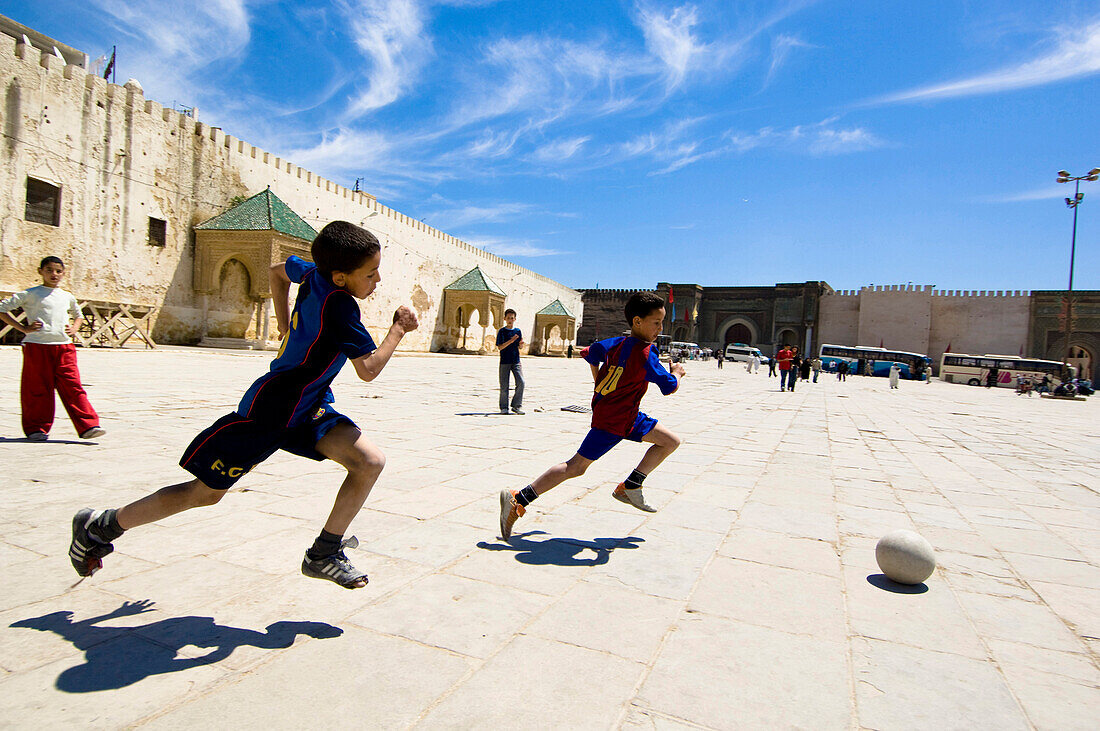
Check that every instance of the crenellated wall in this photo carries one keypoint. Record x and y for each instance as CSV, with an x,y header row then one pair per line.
x,y
603,313
120,159
920,319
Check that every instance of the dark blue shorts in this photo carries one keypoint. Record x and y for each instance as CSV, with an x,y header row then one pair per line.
x,y
226,450
599,442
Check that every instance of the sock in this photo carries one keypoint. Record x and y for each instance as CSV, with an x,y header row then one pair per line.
x,y
635,480
106,528
526,496
325,545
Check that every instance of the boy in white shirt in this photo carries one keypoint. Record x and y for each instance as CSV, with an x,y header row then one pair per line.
x,y
49,356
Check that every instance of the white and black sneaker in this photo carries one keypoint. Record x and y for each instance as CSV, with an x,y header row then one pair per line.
x,y
86,551
335,568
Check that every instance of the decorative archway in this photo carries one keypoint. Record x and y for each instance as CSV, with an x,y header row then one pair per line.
x,y
738,329
473,292
554,318
787,336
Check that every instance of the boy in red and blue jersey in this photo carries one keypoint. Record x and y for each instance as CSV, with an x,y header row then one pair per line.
x,y
288,408
622,369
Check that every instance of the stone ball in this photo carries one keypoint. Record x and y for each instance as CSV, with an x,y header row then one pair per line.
x,y
134,85
905,557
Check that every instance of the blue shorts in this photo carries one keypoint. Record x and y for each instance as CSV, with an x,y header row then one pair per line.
x,y
226,450
599,442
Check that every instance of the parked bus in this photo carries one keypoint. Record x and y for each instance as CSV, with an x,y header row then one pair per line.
x,y
975,369
913,365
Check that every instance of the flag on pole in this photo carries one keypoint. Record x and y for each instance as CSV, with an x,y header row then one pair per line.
x,y
671,305
948,349
110,64
880,343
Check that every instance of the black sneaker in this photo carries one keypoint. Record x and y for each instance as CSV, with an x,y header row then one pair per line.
x,y
85,551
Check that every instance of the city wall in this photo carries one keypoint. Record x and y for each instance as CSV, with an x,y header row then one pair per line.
x,y
920,319
121,159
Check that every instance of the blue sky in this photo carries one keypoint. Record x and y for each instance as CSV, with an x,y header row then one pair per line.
x,y
626,142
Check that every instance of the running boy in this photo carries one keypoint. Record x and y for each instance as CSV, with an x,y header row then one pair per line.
x,y
629,365
287,408
49,356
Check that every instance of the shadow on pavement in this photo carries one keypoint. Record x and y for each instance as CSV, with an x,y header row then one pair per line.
x,y
482,413
25,440
116,657
561,551
890,585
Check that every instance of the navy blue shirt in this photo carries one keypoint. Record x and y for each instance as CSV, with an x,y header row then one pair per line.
x,y
325,330
509,355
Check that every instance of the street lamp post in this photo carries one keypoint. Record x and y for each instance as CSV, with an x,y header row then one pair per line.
x,y
1078,196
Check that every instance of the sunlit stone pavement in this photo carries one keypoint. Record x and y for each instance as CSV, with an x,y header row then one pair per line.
x,y
750,600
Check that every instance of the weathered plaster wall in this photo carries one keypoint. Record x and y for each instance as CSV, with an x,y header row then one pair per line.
x,y
120,158
897,316
838,323
979,322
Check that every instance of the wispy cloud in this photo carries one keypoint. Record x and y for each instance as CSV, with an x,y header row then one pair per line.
x,y
670,38
390,34
1075,53
171,48
782,45
459,216
560,150
822,138
513,247
1041,194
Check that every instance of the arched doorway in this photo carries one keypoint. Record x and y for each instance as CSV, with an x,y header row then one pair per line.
x,y
232,304
787,337
1083,360
738,333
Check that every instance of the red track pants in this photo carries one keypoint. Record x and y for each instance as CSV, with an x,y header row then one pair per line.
x,y
47,368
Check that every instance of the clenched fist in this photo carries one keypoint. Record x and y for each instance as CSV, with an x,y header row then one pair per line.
x,y
405,319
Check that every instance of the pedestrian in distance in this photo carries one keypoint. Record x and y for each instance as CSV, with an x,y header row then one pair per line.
x,y
784,357
288,408
817,368
805,369
49,355
509,340
796,367
842,370
771,368
622,369
895,374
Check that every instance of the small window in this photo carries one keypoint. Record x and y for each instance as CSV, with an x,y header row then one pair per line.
x,y
43,202
158,231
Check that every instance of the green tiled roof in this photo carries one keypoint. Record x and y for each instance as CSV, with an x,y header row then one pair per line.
x,y
475,280
262,212
555,308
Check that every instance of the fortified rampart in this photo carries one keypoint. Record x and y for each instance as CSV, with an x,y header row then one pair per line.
x,y
603,313
920,319
125,164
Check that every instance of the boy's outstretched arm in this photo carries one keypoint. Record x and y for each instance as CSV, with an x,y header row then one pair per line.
x,y
369,366
280,296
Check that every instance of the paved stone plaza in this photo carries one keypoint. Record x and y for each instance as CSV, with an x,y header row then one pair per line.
x,y
751,600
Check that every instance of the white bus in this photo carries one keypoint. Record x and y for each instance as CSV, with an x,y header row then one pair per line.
x,y
974,370
862,359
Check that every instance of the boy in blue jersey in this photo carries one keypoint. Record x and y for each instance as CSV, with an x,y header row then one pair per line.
x,y
288,408
622,368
